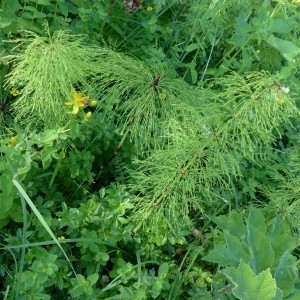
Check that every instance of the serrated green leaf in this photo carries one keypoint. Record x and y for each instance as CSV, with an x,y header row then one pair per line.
x,y
220,255
236,248
286,273
261,251
248,286
233,223
232,254
281,238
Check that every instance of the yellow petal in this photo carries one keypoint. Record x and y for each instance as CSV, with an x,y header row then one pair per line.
x,y
14,92
75,109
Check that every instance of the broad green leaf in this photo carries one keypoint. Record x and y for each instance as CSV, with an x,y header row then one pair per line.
x,y
233,223
4,22
48,136
281,238
3,163
294,296
46,158
81,279
242,33
13,5
156,289
30,8
286,273
248,286
102,256
47,154
77,291
24,169
256,219
163,270
126,293
261,252
236,248
278,295
221,255
39,15
194,74
93,278
230,255
63,9
3,220
5,184
6,202
192,47
287,49
281,25
43,2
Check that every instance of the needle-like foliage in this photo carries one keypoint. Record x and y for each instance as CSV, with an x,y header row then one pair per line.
x,y
45,70
205,155
186,176
148,96
284,194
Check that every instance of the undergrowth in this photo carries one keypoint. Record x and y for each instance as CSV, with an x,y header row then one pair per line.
x,y
149,149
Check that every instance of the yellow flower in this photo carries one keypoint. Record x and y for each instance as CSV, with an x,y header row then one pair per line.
x,y
14,92
13,140
79,101
61,238
280,101
149,8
